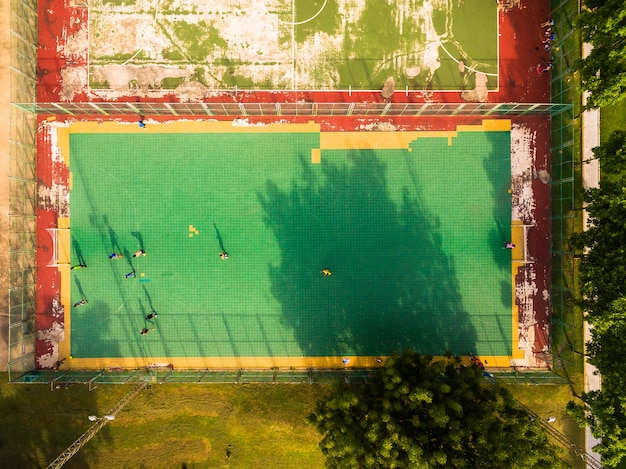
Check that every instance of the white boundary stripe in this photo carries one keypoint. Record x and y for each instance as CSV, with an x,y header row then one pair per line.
x,y
293,44
498,11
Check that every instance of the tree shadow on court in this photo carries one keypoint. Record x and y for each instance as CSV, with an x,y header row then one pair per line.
x,y
497,165
392,286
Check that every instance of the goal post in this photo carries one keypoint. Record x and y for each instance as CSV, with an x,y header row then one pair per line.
x,y
61,247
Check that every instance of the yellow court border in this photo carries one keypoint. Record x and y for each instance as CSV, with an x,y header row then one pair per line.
x,y
328,141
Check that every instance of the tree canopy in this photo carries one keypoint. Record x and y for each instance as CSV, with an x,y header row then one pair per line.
x,y
420,413
603,296
603,72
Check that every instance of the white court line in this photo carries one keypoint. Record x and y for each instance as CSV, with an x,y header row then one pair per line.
x,y
135,55
498,48
293,44
469,68
293,23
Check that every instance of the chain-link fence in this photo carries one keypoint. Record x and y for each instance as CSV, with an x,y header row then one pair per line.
x,y
60,379
164,375
566,142
298,109
22,188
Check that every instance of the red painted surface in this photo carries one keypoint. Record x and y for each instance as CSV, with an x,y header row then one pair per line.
x,y
520,50
49,173
538,237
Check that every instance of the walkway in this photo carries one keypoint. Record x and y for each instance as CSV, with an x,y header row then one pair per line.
x,y
591,178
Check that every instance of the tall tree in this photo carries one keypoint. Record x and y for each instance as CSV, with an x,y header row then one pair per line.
x,y
603,296
603,266
418,413
603,72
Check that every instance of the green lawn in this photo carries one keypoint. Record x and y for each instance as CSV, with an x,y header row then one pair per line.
x,y
190,425
165,426
612,118
550,401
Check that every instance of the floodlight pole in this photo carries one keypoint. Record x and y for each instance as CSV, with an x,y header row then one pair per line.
x,y
95,428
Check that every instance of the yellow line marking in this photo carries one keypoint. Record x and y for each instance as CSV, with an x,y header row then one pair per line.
x,y
328,141
65,291
517,238
496,125
248,363
63,246
517,257
316,156
183,127
376,140
517,353
63,142
400,140
487,125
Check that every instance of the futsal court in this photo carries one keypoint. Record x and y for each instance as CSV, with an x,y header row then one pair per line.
x,y
411,226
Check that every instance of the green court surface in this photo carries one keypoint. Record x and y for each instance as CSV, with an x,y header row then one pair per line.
x,y
292,45
413,240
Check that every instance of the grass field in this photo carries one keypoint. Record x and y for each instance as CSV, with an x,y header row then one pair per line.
x,y
305,45
612,118
175,425
163,427
550,401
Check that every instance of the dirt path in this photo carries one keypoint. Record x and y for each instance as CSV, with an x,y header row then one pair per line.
x,y
5,96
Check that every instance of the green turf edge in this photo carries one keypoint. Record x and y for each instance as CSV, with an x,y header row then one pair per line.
x,y
612,118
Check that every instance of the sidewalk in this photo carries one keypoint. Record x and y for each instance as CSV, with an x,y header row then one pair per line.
x,y
591,178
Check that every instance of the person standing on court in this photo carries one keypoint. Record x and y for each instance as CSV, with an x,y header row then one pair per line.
x,y
139,253
152,315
